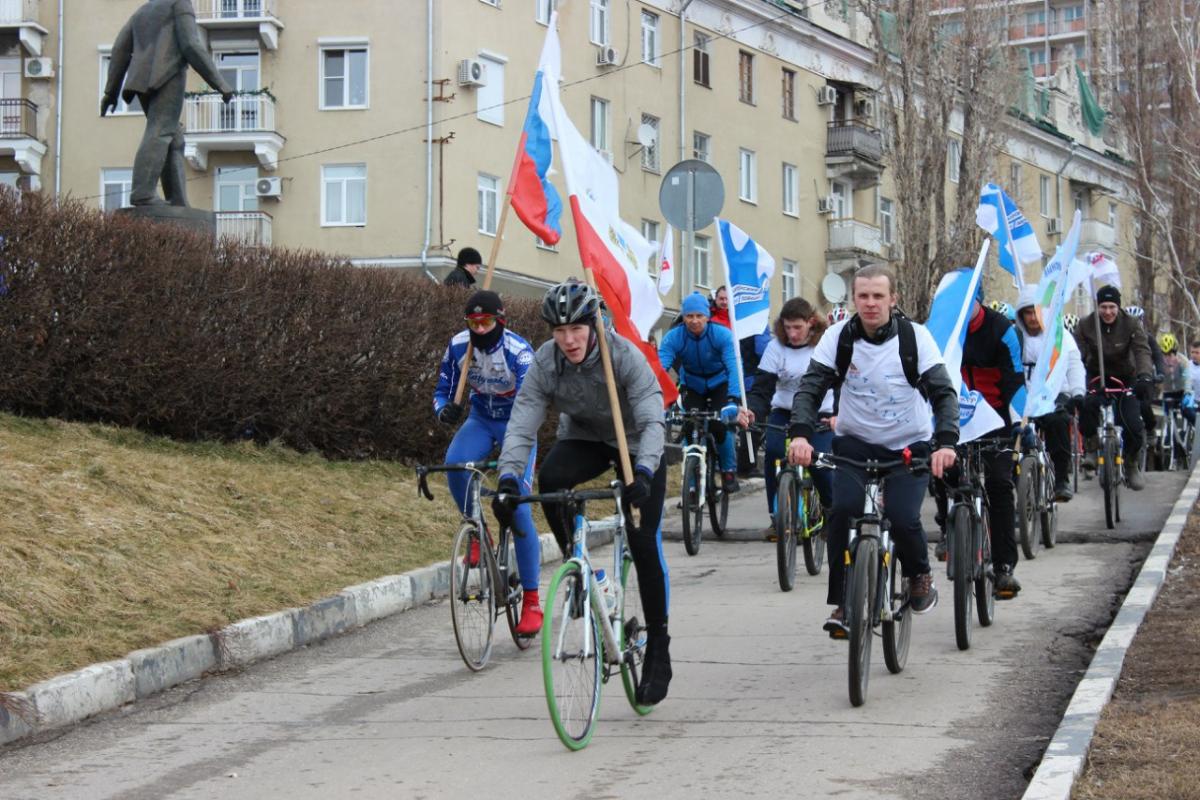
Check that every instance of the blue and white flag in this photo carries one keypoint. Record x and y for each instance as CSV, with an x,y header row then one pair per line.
x,y
998,215
749,269
1062,275
947,324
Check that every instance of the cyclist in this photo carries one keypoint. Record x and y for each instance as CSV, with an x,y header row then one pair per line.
x,y
1055,425
718,307
499,360
567,373
1177,379
1003,308
1194,366
991,365
797,331
887,366
1156,357
1127,359
702,352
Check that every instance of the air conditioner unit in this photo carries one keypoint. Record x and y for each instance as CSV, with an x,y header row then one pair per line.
x,y
826,96
1054,225
865,108
472,72
269,187
39,68
825,204
607,56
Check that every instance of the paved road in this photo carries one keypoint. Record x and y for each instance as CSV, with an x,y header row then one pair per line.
x,y
758,706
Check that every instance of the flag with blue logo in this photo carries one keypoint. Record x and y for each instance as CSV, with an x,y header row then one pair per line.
x,y
947,324
749,268
1062,275
1016,240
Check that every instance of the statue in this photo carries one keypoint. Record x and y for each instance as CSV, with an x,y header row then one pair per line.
x,y
151,56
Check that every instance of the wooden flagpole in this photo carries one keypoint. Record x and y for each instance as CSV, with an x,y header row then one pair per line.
x,y
611,383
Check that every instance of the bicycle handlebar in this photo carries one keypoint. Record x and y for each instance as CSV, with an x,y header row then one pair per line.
x,y
613,492
1120,388
423,472
870,466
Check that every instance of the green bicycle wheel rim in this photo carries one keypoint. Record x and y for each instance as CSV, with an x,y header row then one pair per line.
x,y
548,642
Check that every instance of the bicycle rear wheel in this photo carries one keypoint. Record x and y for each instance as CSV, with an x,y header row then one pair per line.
x,y
633,636
897,633
1027,507
693,513
787,521
718,499
571,657
1049,509
812,526
1076,454
985,582
472,597
1189,442
513,597
863,572
962,568
1108,479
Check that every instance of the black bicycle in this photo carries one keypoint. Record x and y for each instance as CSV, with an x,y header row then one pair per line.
x,y
1036,507
1110,461
701,484
969,542
799,517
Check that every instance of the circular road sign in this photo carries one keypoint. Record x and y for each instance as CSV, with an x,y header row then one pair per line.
x,y
707,195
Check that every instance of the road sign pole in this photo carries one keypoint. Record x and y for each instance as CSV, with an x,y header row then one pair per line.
x,y
690,237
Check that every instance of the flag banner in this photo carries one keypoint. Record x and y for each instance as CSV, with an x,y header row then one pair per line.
x,y
948,317
534,199
1062,274
748,268
1101,269
998,215
666,263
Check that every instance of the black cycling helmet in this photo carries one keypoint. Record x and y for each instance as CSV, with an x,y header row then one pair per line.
x,y
570,303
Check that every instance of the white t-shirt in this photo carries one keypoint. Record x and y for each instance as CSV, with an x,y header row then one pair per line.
x,y
877,403
789,364
1194,375
1075,381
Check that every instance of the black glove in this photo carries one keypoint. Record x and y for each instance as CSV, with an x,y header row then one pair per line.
x,y
1077,404
1143,387
503,509
451,414
637,493
1062,402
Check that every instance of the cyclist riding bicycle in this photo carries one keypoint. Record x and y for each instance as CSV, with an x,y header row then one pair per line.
x,y
886,366
1127,359
499,360
798,329
1177,379
1055,425
1149,422
567,373
702,353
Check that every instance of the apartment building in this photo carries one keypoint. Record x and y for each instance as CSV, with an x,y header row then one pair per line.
x,y
386,132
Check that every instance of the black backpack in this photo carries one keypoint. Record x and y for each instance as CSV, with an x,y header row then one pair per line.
x,y
908,352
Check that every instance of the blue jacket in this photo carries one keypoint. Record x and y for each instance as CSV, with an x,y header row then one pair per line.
x,y
494,376
703,362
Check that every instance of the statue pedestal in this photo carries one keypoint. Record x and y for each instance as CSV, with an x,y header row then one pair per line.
x,y
194,219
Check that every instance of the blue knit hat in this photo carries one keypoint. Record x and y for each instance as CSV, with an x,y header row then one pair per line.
x,y
695,303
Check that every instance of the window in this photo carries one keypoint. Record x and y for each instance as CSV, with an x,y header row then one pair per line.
x,y
700,146
650,151
953,160
599,131
1112,215
344,194
791,190
789,94
489,99
543,9
745,77
540,245
488,192
1014,180
115,185
234,189
701,252
700,60
650,232
747,180
1044,195
1082,202
343,77
887,219
598,22
840,193
788,273
650,38
133,107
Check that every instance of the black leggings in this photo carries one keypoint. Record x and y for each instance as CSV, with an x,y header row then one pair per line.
x,y
571,462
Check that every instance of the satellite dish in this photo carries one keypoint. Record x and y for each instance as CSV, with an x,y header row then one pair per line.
x,y
834,288
645,135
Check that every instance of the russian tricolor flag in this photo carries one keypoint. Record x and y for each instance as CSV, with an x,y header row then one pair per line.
x,y
533,197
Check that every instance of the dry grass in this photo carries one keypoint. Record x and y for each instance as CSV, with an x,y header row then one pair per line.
x,y
1147,742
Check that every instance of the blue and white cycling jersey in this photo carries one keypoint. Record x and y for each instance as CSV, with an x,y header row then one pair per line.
x,y
494,376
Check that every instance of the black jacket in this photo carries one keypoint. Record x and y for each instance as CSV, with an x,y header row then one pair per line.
x,y
459,277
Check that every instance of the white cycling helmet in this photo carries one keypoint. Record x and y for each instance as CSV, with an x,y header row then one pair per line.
x,y
1135,311
1070,321
837,314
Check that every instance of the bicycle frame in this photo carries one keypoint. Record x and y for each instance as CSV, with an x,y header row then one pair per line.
x,y
698,439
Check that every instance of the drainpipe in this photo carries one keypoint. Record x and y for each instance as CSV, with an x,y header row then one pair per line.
x,y
688,241
58,114
428,138
1058,190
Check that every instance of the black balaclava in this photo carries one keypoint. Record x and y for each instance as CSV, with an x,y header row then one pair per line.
x,y
486,302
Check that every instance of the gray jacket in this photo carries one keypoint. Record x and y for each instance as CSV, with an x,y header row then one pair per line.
x,y
578,393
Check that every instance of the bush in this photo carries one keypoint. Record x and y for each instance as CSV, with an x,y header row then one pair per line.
x,y
118,320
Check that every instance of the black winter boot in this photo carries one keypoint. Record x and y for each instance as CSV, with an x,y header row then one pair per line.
x,y
656,669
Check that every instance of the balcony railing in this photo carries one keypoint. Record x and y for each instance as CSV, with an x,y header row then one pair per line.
x,y
234,9
853,138
18,118
1094,233
247,227
15,11
245,113
850,234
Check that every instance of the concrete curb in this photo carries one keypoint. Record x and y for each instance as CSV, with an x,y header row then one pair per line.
x,y
1067,752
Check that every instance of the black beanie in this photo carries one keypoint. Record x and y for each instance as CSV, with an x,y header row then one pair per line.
x,y
484,302
1109,294
469,255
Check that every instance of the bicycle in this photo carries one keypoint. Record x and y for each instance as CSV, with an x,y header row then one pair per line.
x,y
700,484
877,595
582,639
1110,460
1076,451
1037,509
483,578
1173,444
798,515
969,543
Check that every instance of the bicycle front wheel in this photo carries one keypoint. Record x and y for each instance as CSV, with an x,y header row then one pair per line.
x,y
863,573
1049,509
693,514
811,530
633,636
897,632
985,580
1108,479
571,657
961,557
787,522
472,597
1027,507
718,499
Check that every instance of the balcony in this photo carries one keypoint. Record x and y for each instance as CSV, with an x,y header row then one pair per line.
x,y
247,123
852,236
854,150
1097,235
22,16
246,227
242,14
18,134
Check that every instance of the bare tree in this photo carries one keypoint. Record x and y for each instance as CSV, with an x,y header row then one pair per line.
x,y
940,71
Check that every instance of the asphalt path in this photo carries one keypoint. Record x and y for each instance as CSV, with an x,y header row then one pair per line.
x,y
758,706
